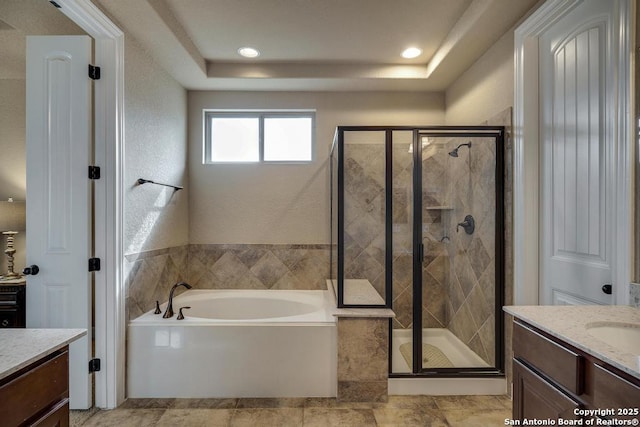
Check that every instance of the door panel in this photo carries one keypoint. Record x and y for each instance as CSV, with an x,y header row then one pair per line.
x,y
576,176
58,195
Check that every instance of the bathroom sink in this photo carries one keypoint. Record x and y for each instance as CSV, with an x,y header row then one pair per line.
x,y
625,336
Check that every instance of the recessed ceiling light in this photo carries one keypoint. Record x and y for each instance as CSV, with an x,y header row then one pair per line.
x,y
248,52
412,52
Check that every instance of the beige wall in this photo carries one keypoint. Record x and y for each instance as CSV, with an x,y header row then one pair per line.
x,y
12,139
486,88
155,149
269,203
12,157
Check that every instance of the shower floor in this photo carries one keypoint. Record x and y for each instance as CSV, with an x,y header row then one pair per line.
x,y
459,354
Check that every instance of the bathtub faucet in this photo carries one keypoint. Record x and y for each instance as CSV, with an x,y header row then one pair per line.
x,y
169,312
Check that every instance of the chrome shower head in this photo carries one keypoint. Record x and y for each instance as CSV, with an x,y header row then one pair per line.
x,y
454,153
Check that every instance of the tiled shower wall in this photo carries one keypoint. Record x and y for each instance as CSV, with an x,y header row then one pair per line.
x,y
472,256
239,266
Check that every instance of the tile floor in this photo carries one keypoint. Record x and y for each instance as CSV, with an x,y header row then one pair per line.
x,y
475,411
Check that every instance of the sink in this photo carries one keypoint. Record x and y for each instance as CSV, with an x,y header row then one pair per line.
x,y
624,336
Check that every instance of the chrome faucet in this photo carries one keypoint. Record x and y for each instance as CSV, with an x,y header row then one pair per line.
x,y
169,311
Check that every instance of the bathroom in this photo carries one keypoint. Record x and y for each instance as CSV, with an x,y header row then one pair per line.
x,y
263,226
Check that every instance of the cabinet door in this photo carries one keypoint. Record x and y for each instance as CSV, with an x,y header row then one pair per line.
x,y
535,398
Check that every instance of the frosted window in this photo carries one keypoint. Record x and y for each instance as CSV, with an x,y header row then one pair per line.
x,y
287,139
235,139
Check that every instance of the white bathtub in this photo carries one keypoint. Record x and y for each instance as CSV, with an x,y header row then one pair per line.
x,y
236,343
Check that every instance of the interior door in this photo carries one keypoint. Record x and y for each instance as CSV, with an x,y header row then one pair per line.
x,y
577,95
58,195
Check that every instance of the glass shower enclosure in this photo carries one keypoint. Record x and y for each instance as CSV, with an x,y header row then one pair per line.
x,y
417,214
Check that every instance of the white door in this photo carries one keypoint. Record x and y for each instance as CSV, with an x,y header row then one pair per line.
x,y
577,99
58,195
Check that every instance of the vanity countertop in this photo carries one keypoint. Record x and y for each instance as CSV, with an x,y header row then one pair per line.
x,y
21,347
569,323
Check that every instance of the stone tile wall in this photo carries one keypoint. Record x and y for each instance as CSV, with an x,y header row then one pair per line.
x,y
472,256
363,358
150,275
239,266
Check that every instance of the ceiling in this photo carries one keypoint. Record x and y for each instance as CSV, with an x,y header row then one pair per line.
x,y
309,45
321,45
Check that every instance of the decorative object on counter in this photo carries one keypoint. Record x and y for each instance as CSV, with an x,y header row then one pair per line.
x,y
157,310
469,225
180,315
12,220
141,181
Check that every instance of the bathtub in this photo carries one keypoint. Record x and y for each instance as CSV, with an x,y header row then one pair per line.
x,y
236,343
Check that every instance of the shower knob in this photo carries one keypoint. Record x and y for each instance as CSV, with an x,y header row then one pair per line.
x,y
469,225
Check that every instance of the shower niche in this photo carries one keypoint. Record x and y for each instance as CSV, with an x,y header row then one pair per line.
x,y
417,217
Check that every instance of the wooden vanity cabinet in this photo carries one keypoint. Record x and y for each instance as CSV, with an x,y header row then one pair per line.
x,y
37,395
551,379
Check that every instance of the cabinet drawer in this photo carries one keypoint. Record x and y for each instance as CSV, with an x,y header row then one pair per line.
x,y
35,390
550,358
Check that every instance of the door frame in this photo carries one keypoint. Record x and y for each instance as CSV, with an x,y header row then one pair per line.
x,y
110,328
526,149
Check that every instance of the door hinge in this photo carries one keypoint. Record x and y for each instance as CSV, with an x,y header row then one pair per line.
x,y
94,72
94,264
94,365
94,172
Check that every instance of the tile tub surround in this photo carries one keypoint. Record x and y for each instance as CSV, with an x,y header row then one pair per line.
x,y
259,266
233,266
568,323
150,277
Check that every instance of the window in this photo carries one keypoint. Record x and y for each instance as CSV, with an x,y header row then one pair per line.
x,y
245,137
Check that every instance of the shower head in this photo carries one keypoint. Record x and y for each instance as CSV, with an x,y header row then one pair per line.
x,y
454,153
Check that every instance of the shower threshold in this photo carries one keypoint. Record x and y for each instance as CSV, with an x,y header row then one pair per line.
x,y
460,356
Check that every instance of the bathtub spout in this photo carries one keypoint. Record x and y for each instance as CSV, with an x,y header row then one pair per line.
x,y
169,312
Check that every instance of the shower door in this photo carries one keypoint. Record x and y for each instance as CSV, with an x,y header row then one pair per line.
x,y
449,320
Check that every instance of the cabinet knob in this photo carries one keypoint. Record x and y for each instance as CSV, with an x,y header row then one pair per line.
x,y
5,323
607,288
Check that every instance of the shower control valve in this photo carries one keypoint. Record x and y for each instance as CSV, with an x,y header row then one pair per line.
x,y
469,225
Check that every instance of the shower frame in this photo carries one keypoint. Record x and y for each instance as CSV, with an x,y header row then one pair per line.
x,y
337,215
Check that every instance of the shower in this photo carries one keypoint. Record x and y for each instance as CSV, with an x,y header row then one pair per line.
x,y
454,153
391,211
